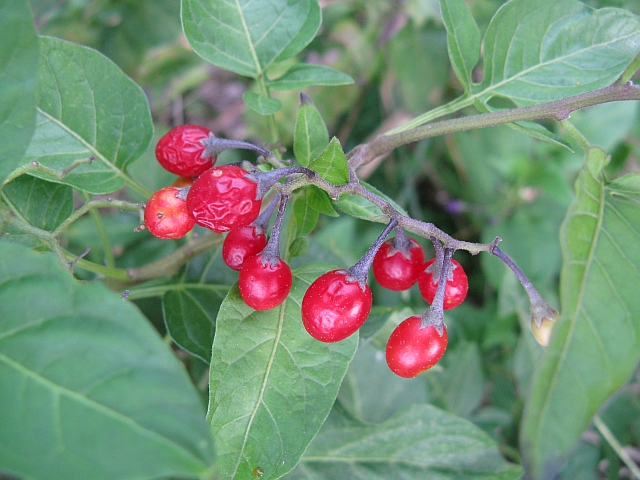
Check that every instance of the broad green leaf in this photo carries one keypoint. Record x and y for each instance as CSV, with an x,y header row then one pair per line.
x,y
248,36
261,104
86,384
18,78
190,316
320,201
362,208
310,136
463,39
305,216
419,442
299,247
550,49
43,204
595,344
87,106
272,385
332,164
305,75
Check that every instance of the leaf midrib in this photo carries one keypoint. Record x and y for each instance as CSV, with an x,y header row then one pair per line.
x,y
588,264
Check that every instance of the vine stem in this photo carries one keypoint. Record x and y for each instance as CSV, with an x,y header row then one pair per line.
x,y
556,110
613,441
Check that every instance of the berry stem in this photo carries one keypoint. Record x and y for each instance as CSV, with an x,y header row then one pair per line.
x,y
360,269
266,180
401,242
271,252
539,308
435,314
262,222
214,146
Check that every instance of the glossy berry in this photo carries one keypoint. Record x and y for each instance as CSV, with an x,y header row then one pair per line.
x,y
335,306
411,350
166,215
223,199
393,270
181,151
263,286
241,244
455,289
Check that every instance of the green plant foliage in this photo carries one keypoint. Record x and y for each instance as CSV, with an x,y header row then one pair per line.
x,y
332,164
463,39
83,369
190,316
420,441
272,385
542,51
261,104
310,137
87,106
18,73
594,346
43,204
246,38
303,75
305,215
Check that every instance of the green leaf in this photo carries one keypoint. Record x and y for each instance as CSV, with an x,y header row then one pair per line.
x,y
305,216
310,136
190,316
419,442
272,385
595,345
463,39
299,247
43,204
18,71
332,164
86,384
262,105
248,36
361,208
550,49
87,106
319,200
305,75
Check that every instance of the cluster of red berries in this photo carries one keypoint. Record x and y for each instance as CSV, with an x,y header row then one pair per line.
x,y
229,199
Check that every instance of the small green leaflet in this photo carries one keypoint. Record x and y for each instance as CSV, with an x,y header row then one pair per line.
x,y
305,75
262,105
332,164
310,136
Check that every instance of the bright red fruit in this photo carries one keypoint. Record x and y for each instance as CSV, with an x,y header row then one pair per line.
x,y
455,290
334,307
166,215
223,199
241,244
263,286
411,350
181,151
393,270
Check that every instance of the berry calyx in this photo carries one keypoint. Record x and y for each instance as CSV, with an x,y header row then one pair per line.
x,y
166,215
412,350
264,285
397,268
241,244
335,306
182,151
455,289
224,199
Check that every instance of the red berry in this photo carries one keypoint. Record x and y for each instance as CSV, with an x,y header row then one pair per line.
x,y
393,270
455,290
411,350
166,215
335,306
241,244
223,199
181,151
263,286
